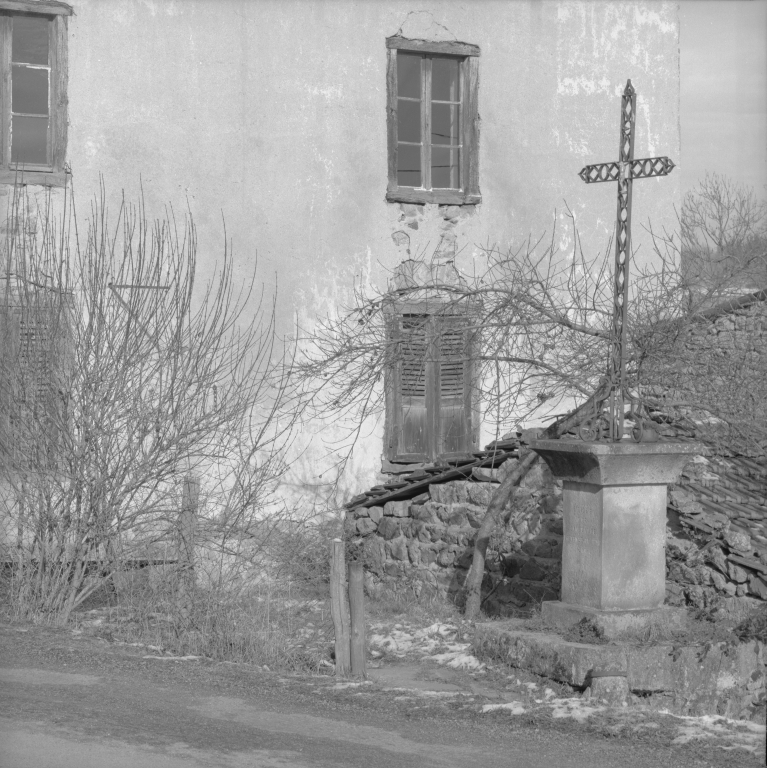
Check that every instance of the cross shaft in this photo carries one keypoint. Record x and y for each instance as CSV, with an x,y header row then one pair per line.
x,y
624,172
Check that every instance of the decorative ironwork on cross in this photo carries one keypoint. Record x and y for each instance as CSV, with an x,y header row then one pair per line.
x,y
624,172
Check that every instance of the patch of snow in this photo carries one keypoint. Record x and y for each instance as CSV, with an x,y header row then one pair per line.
x,y
515,707
341,686
578,709
742,734
458,658
174,658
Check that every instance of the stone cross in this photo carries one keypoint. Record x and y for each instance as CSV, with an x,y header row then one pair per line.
x,y
624,171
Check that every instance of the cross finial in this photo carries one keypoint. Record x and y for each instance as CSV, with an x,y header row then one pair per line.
x,y
624,172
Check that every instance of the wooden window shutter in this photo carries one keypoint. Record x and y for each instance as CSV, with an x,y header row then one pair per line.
x,y
409,435
429,388
453,427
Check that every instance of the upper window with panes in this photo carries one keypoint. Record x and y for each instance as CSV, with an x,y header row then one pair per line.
x,y
33,91
432,114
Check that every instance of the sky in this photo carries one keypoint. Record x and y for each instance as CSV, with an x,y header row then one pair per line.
x,y
723,47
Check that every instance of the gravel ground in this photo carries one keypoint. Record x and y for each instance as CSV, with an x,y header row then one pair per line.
x,y
68,695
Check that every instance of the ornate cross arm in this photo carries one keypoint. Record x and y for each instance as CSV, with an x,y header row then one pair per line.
x,y
640,169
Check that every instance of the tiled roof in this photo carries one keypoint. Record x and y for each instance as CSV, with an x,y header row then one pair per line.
x,y
730,490
408,483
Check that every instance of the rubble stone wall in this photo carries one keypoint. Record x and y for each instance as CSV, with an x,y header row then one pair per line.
x,y
427,543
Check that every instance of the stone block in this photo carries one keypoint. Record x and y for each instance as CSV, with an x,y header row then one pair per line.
x,y
424,512
422,533
394,570
737,574
422,498
437,531
613,624
608,689
375,514
717,580
436,510
464,559
512,565
446,558
529,547
399,548
357,513
442,493
397,509
389,528
703,574
365,526
457,517
480,494
717,558
374,555
475,515
414,552
696,595
758,586
738,541
675,594
428,555
451,534
532,571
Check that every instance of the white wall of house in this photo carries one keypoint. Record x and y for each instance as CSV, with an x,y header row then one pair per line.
x,y
272,113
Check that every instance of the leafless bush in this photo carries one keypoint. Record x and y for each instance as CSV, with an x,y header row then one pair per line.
x,y
123,379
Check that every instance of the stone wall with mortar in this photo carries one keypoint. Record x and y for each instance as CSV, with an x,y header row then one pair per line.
x,y
427,544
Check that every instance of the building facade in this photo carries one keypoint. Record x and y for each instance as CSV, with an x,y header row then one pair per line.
x,y
323,130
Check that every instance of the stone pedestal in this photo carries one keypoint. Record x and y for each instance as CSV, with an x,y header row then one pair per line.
x,y
614,549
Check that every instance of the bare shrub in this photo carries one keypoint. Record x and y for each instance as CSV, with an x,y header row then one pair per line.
x,y
124,381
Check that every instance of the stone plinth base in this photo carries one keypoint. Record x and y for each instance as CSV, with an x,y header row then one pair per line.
x,y
613,624
725,680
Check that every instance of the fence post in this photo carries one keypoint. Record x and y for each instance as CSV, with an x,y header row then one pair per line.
x,y
339,608
357,611
187,523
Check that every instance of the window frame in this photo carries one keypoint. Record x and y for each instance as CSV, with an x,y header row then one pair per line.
x,y
55,172
468,55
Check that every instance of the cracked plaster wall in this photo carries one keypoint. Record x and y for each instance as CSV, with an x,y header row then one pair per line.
x,y
274,113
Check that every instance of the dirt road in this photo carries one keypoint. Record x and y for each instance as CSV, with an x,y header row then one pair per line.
x,y
78,701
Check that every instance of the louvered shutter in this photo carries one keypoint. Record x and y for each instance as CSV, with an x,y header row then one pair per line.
x,y
413,383
453,416
34,358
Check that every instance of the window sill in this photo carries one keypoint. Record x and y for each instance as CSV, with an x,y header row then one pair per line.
x,y
34,178
438,196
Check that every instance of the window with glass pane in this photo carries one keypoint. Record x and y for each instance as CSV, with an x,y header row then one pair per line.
x,y
33,92
445,123
432,122
30,90
428,121
409,147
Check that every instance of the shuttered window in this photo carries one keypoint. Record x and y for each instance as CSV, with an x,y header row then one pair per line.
x,y
429,402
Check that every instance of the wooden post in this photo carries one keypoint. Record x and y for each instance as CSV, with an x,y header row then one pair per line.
x,y
187,523
339,608
357,611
